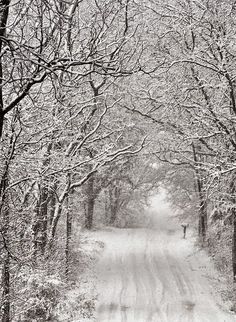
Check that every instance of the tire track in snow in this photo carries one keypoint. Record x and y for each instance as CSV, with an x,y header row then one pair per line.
x,y
177,268
153,282
122,296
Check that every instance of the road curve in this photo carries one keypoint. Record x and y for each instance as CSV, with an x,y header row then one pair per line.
x,y
154,275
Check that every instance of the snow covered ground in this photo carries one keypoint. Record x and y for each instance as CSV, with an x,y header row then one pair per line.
x,y
78,299
153,274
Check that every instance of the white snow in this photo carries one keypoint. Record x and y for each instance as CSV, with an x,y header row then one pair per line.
x,y
77,302
153,274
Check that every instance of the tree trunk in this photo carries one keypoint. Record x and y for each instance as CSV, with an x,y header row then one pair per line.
x,y
40,221
107,206
202,220
5,226
35,229
114,204
52,204
1,122
56,217
90,203
4,11
6,289
4,212
233,212
234,246
44,201
57,213
68,235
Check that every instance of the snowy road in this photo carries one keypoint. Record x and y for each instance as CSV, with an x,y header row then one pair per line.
x,y
153,274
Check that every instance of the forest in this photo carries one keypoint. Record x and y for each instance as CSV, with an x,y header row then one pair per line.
x,y
101,103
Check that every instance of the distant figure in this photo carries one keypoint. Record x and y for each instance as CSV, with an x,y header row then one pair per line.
x,y
185,226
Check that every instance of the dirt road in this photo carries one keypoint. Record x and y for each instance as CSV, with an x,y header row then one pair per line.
x,y
154,275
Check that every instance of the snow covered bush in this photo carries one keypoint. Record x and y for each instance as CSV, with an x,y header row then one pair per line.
x,y
219,243
74,305
41,293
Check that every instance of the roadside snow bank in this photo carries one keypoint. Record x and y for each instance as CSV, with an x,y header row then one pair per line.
x,y
77,304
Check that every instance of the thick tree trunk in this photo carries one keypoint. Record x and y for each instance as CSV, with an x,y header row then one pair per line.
x,y
35,229
52,205
52,232
57,213
114,204
44,201
107,206
202,220
90,203
56,217
89,214
40,221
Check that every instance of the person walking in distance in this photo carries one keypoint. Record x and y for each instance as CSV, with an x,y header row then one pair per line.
x,y
185,226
